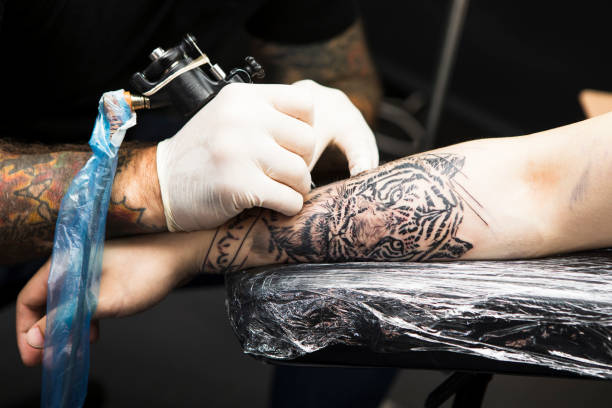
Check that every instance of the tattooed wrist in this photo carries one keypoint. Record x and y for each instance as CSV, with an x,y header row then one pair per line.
x,y
31,189
231,244
33,180
136,205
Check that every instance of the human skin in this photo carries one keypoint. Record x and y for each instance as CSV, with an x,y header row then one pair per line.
x,y
34,178
595,103
519,197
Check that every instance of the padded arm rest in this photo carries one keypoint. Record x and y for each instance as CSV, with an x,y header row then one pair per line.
x,y
534,316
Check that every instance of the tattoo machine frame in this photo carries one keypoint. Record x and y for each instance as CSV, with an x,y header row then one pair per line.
x,y
182,77
185,78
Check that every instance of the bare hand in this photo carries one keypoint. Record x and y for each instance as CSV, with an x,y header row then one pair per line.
x,y
136,274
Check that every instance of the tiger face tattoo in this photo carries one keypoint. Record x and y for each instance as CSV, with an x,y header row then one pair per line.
x,y
409,211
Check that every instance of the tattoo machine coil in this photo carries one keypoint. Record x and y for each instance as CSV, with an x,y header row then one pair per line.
x,y
185,78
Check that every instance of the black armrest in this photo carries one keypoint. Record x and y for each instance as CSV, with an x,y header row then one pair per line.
x,y
544,316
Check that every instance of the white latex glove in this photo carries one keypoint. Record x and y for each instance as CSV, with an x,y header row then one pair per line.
x,y
248,147
338,121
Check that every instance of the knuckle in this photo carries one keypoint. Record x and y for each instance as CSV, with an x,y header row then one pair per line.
x,y
340,96
305,95
231,90
306,82
221,152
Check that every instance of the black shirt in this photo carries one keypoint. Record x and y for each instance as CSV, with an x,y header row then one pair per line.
x,y
59,56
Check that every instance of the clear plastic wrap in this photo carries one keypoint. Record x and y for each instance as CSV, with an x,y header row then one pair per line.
x,y
76,264
554,312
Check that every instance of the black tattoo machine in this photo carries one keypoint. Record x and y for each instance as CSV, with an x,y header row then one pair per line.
x,y
185,78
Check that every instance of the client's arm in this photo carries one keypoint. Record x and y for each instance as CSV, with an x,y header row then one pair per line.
x,y
487,199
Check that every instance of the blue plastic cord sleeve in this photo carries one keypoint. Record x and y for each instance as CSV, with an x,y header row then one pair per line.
x,y
76,263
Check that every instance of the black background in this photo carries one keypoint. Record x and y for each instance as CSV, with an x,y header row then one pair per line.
x,y
520,66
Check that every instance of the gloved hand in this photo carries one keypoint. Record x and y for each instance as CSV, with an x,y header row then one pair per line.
x,y
248,147
254,145
338,121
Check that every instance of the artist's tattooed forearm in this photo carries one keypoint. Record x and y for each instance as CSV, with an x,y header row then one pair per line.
x,y
124,219
33,180
409,210
129,213
342,62
31,189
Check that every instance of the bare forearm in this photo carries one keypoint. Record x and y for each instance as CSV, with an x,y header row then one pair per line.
x,y
33,180
489,199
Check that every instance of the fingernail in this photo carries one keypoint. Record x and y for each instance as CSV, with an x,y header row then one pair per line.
x,y
35,338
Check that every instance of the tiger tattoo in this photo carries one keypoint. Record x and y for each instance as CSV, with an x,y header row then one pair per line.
x,y
407,211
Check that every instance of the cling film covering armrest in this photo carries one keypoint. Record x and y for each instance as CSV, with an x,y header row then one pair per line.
x,y
76,263
555,313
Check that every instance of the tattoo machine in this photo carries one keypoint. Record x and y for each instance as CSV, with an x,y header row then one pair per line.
x,y
184,77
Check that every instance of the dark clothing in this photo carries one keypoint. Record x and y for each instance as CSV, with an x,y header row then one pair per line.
x,y
330,387
61,55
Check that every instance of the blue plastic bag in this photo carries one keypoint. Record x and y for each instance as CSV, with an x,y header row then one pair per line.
x,y
76,263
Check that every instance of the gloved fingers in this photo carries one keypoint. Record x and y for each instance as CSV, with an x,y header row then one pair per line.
x,y
359,146
294,135
287,168
279,197
294,101
374,148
